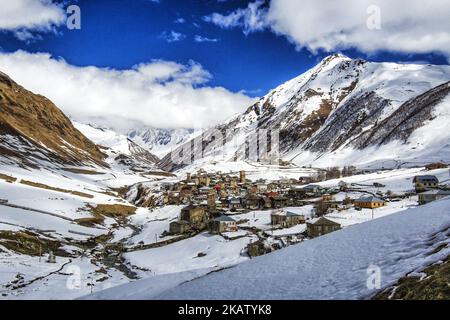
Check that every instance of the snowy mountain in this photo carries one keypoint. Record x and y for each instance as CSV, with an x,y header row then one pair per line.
x,y
344,109
161,141
120,149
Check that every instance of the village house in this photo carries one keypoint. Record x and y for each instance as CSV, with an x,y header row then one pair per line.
x,y
369,202
253,202
425,183
205,190
195,215
286,219
191,217
235,203
222,224
324,207
262,187
321,226
432,195
305,180
313,190
179,227
279,202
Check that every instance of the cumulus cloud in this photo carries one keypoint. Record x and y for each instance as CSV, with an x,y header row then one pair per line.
x,y
160,94
24,16
407,26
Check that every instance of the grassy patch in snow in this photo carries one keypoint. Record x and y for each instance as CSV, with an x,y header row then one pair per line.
x,y
83,171
434,286
7,178
28,243
47,187
116,211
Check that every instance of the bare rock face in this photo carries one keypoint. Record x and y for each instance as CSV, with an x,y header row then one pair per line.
x,y
33,131
409,117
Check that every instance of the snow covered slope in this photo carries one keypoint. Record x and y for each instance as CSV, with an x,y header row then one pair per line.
x,y
122,151
335,266
336,107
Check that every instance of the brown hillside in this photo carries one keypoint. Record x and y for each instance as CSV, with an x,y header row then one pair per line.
x,y
40,129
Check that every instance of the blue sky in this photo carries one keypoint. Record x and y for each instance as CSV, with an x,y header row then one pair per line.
x,y
193,63
119,34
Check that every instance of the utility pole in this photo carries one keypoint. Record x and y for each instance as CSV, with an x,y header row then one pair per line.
x,y
40,252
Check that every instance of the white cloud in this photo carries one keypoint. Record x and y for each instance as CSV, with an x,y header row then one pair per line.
x,y
199,38
172,36
30,14
408,26
249,19
158,94
179,20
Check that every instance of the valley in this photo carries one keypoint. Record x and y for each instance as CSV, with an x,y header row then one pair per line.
x,y
87,212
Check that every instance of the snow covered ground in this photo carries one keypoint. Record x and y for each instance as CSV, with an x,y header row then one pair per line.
x,y
166,266
340,265
203,251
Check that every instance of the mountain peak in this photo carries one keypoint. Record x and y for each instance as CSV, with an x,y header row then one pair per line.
x,y
334,56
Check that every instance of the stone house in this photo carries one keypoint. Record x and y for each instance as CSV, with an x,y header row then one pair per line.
x,y
286,219
426,182
235,203
222,224
195,215
313,190
279,202
178,227
321,226
432,195
253,201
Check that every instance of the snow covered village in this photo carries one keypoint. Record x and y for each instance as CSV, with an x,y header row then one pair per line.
x,y
316,169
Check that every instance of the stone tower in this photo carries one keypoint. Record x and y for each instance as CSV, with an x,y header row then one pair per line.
x,y
242,178
211,201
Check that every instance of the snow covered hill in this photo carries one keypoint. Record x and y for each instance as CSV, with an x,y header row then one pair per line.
x,y
35,133
340,265
345,109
